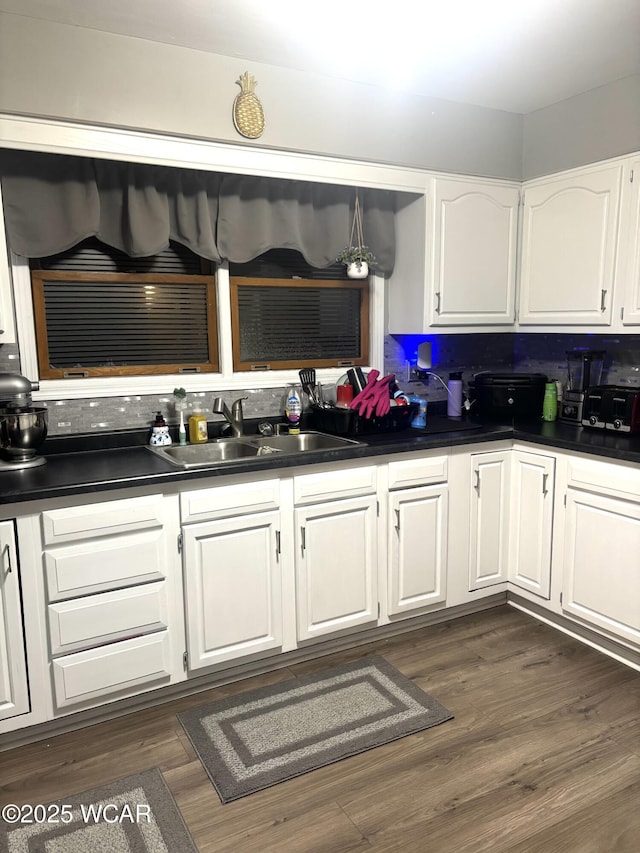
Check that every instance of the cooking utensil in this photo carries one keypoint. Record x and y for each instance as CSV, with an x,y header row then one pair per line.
x,y
308,379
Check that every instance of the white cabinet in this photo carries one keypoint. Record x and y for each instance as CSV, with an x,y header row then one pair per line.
x,y
474,235
456,251
601,569
630,245
336,566
7,324
531,518
14,691
114,614
569,244
233,589
489,518
417,548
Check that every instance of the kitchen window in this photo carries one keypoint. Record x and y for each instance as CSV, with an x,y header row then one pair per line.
x,y
101,313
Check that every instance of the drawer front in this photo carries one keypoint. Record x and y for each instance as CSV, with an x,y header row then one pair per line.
x,y
119,668
221,501
106,617
422,471
101,519
327,485
618,480
104,564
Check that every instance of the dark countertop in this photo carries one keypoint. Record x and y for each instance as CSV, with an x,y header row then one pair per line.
x,y
122,461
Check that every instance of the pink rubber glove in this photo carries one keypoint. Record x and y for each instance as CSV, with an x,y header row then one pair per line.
x,y
360,399
380,397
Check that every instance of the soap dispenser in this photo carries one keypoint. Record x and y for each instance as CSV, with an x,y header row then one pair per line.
x,y
160,432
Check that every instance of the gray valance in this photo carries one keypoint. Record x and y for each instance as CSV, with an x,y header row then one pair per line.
x,y
52,202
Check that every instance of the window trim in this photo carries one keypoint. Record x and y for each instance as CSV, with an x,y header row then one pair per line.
x,y
235,282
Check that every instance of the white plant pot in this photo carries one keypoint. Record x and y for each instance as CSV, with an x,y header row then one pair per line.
x,y
355,270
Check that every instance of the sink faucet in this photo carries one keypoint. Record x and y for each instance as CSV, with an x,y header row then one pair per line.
x,y
233,417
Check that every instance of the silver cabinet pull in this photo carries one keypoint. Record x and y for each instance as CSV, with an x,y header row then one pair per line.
x,y
545,478
437,295
603,300
397,524
6,556
477,483
278,546
303,539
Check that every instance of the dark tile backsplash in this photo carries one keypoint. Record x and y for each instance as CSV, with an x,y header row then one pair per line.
x,y
468,353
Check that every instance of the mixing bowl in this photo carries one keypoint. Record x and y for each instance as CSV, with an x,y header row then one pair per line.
x,y
22,431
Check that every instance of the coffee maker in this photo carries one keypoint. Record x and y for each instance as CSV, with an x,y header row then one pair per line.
x,y
23,427
585,370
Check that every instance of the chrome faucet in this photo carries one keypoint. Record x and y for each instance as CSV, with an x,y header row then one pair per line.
x,y
233,417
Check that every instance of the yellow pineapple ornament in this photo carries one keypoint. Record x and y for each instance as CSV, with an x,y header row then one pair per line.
x,y
248,115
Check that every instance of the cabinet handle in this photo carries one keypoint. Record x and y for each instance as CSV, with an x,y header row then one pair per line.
x,y
302,539
278,548
6,555
397,524
437,295
603,300
477,483
545,478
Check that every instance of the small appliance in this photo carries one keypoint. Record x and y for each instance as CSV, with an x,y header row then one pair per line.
x,y
23,427
585,369
612,407
508,396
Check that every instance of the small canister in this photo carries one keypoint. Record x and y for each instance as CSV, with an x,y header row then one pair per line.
x,y
550,402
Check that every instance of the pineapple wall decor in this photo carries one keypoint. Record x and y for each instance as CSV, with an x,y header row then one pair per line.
x,y
248,115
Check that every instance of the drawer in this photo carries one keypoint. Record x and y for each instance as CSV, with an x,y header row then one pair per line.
x,y
118,668
329,485
238,498
104,564
618,480
101,519
418,471
109,616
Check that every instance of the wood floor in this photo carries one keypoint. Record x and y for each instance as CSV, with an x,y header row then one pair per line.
x,y
543,756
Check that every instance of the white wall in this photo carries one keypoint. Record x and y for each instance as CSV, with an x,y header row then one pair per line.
x,y
59,71
596,125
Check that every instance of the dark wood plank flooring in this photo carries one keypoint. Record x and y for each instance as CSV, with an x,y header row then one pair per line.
x,y
543,756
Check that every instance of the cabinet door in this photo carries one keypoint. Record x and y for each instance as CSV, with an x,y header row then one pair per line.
x,y
233,588
417,540
532,481
14,693
630,253
489,529
336,566
569,237
601,572
475,227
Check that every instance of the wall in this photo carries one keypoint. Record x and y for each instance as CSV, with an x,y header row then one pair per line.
x,y
59,71
596,125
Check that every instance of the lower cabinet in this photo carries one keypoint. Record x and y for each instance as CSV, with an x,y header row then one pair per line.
x,y
336,566
601,571
233,588
531,520
489,518
417,548
14,691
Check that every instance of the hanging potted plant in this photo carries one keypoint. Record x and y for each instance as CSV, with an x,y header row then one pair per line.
x,y
357,257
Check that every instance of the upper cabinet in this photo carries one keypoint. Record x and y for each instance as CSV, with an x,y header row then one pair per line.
x,y
456,250
7,326
630,245
569,245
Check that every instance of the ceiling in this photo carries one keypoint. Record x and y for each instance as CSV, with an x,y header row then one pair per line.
x,y
513,55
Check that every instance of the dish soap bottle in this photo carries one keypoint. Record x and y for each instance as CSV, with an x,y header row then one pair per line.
x,y
293,409
198,433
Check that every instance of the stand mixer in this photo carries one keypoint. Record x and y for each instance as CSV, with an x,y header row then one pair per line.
x,y
23,427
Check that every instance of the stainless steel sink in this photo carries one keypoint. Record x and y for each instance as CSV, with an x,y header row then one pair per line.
x,y
211,453
223,450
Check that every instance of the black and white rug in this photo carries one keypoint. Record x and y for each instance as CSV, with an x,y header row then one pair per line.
x,y
133,815
256,739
